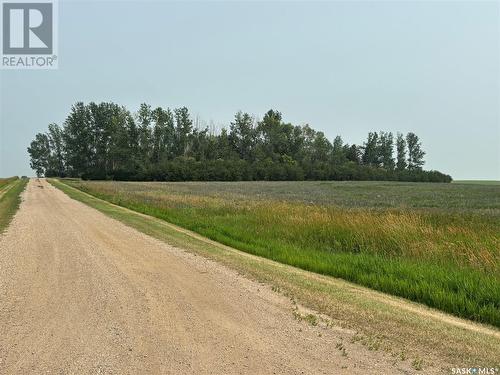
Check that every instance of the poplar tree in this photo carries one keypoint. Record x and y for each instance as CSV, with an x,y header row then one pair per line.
x,y
338,151
385,150
415,152
106,141
39,151
371,150
400,152
144,119
183,129
56,159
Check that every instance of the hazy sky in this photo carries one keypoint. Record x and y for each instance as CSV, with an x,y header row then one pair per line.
x,y
343,67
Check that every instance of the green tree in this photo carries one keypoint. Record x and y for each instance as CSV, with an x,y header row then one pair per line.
x,y
243,136
224,149
163,134
321,148
39,151
106,122
385,150
352,153
104,140
338,152
371,150
144,119
201,147
56,159
415,152
120,155
269,131
78,141
401,152
183,129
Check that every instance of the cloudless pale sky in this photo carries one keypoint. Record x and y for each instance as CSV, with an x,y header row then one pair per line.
x,y
343,67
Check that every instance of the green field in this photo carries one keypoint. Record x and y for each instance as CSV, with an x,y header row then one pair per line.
x,y
10,190
478,182
6,181
437,244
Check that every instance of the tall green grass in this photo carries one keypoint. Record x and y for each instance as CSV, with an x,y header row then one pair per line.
x,y
10,200
444,259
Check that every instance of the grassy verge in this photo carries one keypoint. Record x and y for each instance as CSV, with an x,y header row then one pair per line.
x,y
406,331
443,259
10,200
5,182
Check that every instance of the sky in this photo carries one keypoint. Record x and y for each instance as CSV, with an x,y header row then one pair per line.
x,y
345,68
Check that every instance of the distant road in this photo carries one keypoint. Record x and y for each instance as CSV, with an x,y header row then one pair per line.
x,y
81,293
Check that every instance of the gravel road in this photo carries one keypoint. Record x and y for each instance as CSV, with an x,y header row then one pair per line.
x,y
81,293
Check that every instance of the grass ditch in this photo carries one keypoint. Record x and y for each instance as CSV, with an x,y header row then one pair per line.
x,y
10,199
443,259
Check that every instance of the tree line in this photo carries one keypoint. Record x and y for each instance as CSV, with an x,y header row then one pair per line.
x,y
107,141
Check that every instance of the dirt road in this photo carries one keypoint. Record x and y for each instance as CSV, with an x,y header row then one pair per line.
x,y
81,293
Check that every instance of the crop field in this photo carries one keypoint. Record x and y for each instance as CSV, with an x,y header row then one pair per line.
x,y
437,244
6,181
478,182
